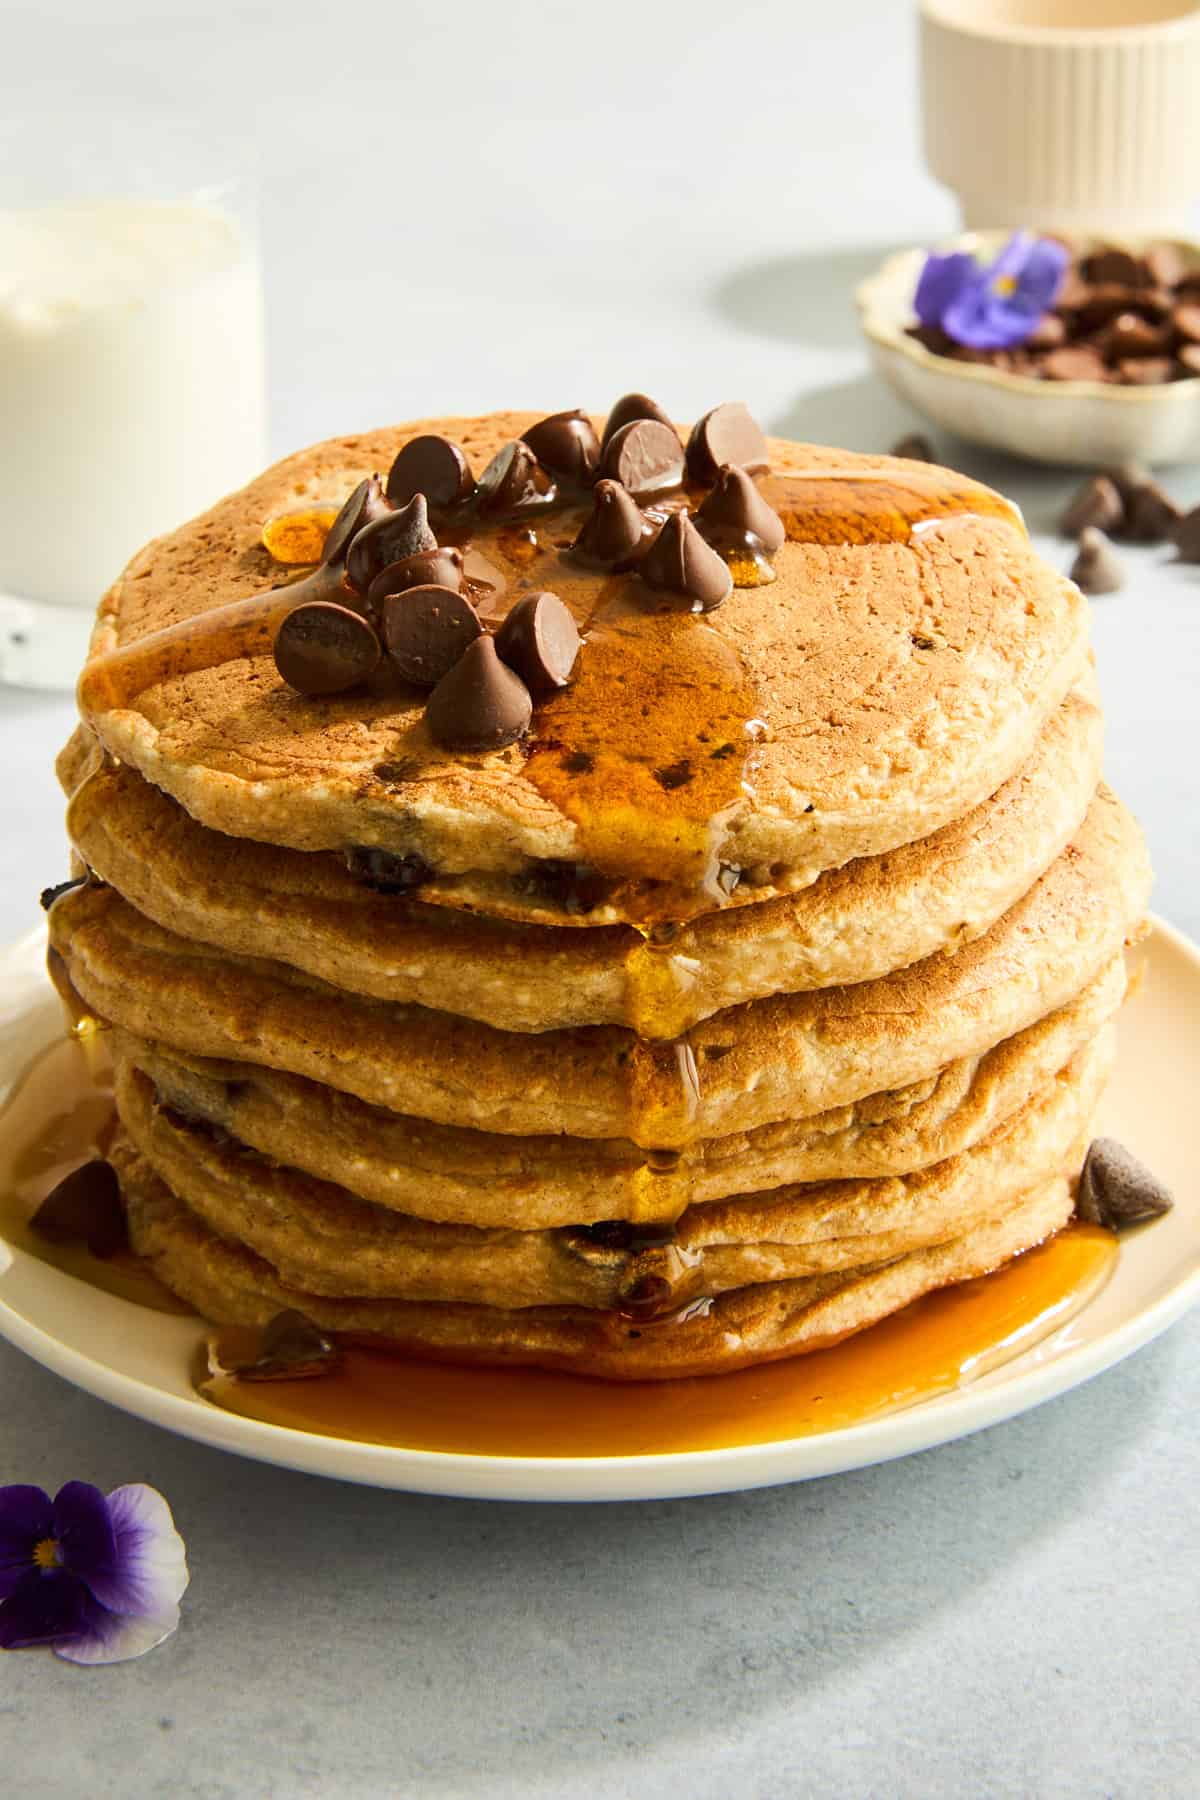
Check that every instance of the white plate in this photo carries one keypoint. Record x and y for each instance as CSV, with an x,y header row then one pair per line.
x,y
138,1360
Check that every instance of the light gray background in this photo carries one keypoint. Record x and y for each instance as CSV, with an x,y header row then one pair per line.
x,y
468,206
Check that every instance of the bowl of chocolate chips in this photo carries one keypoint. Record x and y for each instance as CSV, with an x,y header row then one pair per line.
x,y
1080,351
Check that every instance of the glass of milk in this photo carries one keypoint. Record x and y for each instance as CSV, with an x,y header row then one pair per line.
x,y
132,390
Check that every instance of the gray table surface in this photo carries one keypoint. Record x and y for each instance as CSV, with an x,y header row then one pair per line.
x,y
477,206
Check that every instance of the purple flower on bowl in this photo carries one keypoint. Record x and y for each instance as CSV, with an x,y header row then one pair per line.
x,y
997,306
98,1579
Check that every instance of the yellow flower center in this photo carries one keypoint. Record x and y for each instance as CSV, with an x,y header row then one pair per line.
x,y
1005,284
45,1554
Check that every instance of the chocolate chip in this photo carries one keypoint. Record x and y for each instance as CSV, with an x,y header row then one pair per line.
x,y
432,466
387,872
914,448
1116,1190
428,568
1097,503
514,481
1186,536
629,408
85,1207
426,630
400,533
1047,334
573,887
1097,569
366,504
323,649
540,640
735,504
613,531
290,1348
49,895
1188,358
1130,335
1127,478
1074,362
1145,371
1186,320
481,704
1118,266
680,560
1165,264
646,457
567,445
1150,514
675,775
727,434
1107,300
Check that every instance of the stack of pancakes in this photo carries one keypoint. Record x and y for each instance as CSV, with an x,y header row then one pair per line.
x,y
578,1052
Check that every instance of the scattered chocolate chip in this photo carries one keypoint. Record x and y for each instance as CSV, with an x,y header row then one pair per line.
x,y
727,434
681,561
571,886
567,445
646,457
323,649
514,481
1113,265
1047,334
366,504
1186,320
1074,362
432,466
1150,513
49,895
428,568
481,704
386,871
735,504
426,630
290,1348
1127,478
85,1207
400,533
613,531
914,447
1186,537
628,408
1097,569
1116,1190
1097,503
540,640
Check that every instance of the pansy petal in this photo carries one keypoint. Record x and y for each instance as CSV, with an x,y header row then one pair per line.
x,y
941,280
1042,275
46,1607
109,1637
83,1529
148,1572
985,321
1012,257
26,1517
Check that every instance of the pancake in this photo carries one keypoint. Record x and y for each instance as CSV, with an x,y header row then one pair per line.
x,y
854,924
874,692
229,1284
783,1057
469,1177
320,1238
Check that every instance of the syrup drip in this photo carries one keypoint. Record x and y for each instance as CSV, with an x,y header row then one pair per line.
x,y
298,538
834,506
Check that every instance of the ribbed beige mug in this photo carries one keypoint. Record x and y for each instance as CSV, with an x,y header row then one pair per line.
x,y
1065,114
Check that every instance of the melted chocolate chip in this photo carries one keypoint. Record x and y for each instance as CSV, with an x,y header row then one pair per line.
x,y
611,1242
399,534
1116,1190
613,531
366,504
540,640
515,482
629,408
567,445
571,886
680,561
1098,503
290,1348
677,775
727,434
432,466
426,630
735,504
428,568
480,704
49,895
387,872
324,649
85,1207
646,457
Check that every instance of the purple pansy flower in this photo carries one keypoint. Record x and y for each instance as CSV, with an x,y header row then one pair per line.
x,y
998,306
98,1579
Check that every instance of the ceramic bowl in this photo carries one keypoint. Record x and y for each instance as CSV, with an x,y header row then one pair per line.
x,y
1084,424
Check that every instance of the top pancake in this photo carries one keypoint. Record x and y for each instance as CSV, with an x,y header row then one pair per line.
x,y
899,684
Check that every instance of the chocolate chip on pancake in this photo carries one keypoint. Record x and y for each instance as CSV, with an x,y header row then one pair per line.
x,y
85,1207
646,457
385,871
629,408
480,704
1116,1190
735,504
322,648
400,533
442,567
680,561
288,1347
540,640
49,895
515,481
365,505
1098,503
426,630
614,529
432,466
567,445
727,434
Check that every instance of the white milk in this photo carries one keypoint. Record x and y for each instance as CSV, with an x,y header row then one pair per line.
x,y
131,386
